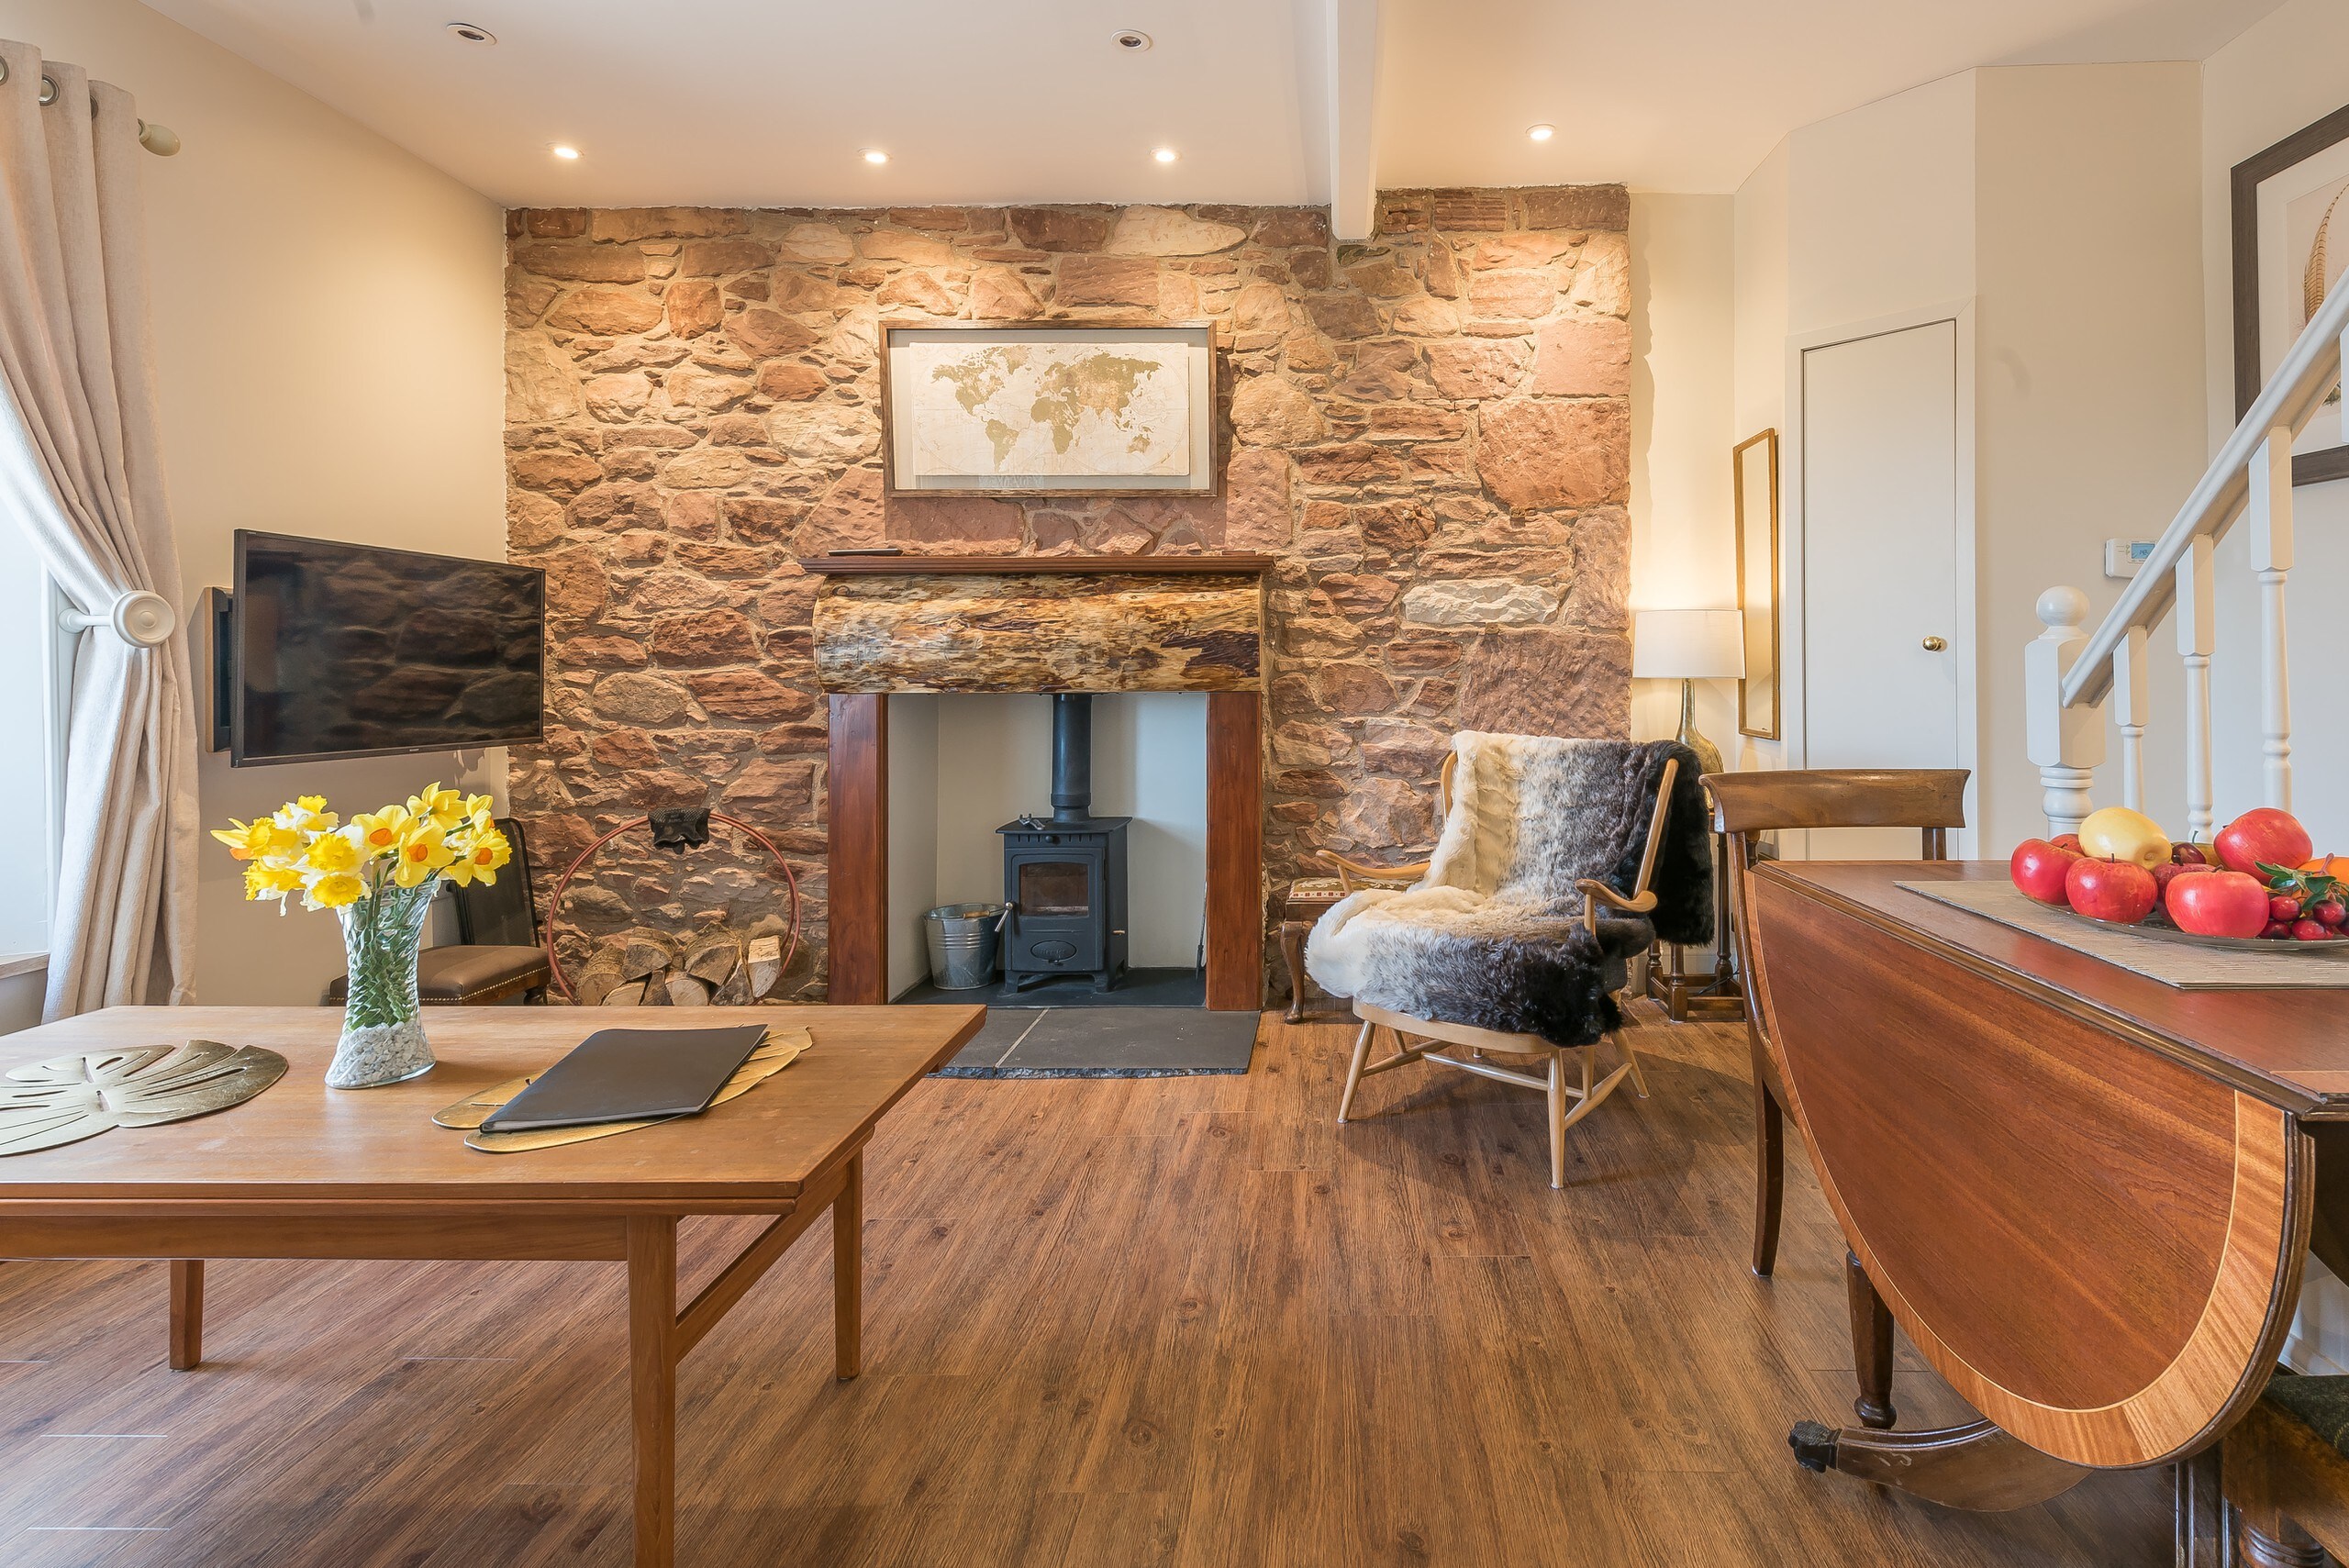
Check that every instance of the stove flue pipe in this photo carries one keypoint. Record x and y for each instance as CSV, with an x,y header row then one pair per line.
x,y
1072,756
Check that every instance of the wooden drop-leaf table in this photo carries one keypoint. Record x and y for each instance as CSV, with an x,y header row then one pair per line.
x,y
306,1172
2085,1194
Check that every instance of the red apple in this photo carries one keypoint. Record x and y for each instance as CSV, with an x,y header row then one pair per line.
x,y
2218,904
2118,891
2264,835
2067,842
2037,868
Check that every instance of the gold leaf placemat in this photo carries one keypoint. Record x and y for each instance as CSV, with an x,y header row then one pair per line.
x,y
2272,966
779,1050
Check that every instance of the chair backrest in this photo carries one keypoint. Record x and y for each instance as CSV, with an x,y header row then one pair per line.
x,y
500,915
1529,818
1746,805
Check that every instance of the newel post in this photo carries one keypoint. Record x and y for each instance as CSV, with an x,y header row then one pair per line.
x,y
2066,742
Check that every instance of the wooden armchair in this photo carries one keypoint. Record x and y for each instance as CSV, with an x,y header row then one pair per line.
x,y
1746,805
1421,1038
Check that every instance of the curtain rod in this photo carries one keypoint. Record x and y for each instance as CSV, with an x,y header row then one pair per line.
x,y
159,139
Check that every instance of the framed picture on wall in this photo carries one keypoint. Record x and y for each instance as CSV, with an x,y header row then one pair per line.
x,y
2291,211
1048,408
1754,477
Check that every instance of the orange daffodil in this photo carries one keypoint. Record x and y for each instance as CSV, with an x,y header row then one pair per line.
x,y
304,848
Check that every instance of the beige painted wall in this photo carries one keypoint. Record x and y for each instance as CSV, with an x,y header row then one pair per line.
x,y
2277,77
1683,272
329,329
2089,356
2051,198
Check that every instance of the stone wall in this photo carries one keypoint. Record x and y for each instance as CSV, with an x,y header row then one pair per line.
x,y
1432,432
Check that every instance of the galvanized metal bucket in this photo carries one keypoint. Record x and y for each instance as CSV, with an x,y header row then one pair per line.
x,y
962,945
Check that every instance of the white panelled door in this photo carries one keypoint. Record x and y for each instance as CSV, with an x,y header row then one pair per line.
x,y
1880,519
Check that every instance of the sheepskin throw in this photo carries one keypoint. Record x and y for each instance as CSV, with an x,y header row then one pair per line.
x,y
1493,935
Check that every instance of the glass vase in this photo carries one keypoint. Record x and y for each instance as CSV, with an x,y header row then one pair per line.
x,y
383,1024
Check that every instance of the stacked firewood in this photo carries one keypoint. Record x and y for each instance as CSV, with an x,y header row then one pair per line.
x,y
720,967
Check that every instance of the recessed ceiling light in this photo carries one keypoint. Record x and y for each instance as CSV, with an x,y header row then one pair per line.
x,y
874,155
568,154
472,34
1130,40
1541,132
1165,155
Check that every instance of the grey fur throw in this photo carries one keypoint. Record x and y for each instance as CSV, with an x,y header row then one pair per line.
x,y
1493,935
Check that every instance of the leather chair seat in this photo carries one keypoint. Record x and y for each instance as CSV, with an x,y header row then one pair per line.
x,y
468,976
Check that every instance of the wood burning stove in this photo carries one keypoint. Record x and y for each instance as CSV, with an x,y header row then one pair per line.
x,y
1064,877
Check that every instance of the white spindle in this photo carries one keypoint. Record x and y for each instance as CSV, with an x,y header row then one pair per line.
x,y
2270,514
2066,742
2197,636
2129,708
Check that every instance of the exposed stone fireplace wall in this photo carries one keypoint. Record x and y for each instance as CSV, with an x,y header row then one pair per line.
x,y
1430,431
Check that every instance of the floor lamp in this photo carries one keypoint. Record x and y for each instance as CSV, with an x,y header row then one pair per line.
x,y
1690,646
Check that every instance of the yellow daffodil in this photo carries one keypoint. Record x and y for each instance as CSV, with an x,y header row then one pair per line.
x,y
380,832
246,840
306,814
445,806
335,890
332,852
264,881
483,853
421,852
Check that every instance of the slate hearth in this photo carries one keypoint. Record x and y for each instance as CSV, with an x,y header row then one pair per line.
x,y
1105,1042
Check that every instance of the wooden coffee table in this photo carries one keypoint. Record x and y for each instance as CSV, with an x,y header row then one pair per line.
x,y
305,1172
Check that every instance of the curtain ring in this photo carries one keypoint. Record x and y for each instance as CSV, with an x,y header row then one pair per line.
x,y
47,90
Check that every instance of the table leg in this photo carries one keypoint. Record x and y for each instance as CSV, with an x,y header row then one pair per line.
x,y
187,1313
848,1271
653,1382
1870,1347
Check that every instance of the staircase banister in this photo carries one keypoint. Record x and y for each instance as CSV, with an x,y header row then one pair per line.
x,y
2297,389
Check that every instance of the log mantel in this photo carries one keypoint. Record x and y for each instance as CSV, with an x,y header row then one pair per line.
x,y
1011,628
1034,565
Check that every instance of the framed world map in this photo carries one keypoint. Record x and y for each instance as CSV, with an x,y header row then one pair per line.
x,y
1061,408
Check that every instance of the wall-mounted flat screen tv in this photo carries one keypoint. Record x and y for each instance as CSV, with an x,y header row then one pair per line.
x,y
349,650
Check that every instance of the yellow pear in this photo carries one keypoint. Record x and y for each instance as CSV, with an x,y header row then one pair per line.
x,y
2116,833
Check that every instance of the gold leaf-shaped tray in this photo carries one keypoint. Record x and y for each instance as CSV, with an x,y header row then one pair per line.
x,y
68,1099
779,1050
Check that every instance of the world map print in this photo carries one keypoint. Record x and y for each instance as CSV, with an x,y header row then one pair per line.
x,y
1051,410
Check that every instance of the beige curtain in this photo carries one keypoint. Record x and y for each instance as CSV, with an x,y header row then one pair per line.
x,y
80,471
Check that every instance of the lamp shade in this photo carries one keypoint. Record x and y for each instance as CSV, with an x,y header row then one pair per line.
x,y
1677,645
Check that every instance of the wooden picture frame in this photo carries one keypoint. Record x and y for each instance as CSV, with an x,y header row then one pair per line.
x,y
1754,487
2305,176
902,475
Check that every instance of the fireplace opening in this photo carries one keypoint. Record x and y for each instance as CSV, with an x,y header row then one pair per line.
x,y
1064,876
1077,821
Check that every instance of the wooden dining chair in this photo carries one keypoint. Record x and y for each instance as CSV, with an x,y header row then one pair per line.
x,y
1541,1066
1745,806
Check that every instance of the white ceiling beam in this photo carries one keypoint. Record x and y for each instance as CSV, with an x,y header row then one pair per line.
x,y
1350,33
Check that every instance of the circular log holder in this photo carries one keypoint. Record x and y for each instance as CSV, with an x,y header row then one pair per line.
x,y
562,884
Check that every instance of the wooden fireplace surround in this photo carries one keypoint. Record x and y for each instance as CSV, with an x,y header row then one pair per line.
x,y
1226,664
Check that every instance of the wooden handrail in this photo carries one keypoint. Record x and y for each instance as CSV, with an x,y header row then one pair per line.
x,y
2292,396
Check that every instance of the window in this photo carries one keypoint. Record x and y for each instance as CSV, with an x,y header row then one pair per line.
x,y
27,628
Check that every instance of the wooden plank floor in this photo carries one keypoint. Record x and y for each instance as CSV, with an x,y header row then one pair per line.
x,y
1181,1321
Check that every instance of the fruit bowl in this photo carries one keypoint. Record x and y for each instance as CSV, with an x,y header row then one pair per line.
x,y
2162,930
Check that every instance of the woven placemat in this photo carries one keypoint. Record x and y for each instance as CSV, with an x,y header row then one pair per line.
x,y
2284,966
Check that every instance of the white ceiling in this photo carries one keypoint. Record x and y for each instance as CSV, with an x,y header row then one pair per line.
x,y
769,102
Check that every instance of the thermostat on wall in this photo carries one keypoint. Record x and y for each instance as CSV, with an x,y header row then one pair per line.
x,y
2122,557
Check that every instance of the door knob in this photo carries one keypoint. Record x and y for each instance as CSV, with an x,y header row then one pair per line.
x,y
1935,644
